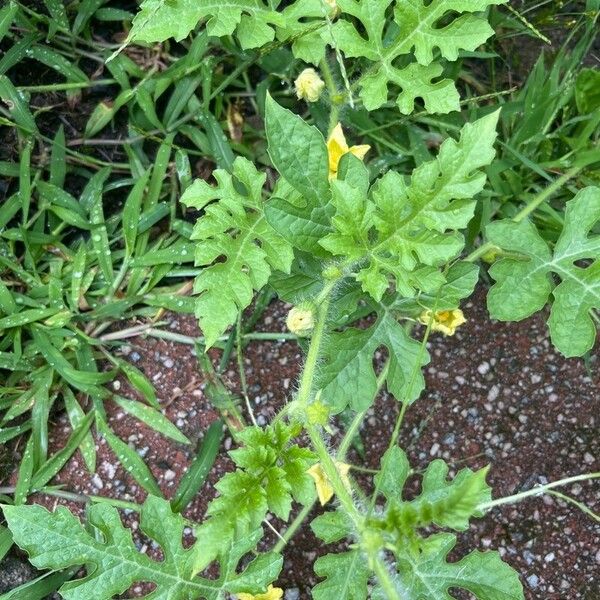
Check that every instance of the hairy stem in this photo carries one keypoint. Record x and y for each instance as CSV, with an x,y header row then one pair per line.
x,y
536,491
328,465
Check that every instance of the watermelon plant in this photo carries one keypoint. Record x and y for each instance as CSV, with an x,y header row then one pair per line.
x,y
372,260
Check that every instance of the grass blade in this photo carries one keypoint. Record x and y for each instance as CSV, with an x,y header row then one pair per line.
x,y
152,417
58,460
130,460
195,476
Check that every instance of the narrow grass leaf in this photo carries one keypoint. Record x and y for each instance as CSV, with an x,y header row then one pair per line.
x,y
25,179
7,14
151,417
40,414
41,587
58,162
76,415
196,474
138,380
79,262
58,62
58,460
59,20
100,241
130,460
16,106
131,213
25,472
81,380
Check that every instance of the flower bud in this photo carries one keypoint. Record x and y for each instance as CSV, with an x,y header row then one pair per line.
x,y
332,272
301,319
309,85
317,413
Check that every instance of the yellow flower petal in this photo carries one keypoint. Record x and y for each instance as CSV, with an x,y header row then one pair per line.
x,y
360,151
324,488
272,593
337,147
444,321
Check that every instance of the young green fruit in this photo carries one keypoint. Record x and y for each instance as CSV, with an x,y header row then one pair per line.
x,y
301,319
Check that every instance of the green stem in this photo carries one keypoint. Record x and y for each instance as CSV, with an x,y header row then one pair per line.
x,y
536,491
59,87
289,533
328,465
545,194
308,373
334,114
527,210
383,575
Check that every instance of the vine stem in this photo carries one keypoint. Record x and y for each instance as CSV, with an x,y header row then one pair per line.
x,y
289,533
328,465
529,208
536,491
333,92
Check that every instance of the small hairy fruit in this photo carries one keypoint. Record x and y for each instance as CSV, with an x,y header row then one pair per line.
x,y
309,85
301,319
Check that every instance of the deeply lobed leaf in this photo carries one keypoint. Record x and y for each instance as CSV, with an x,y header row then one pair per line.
x,y
347,377
252,20
405,230
425,573
403,53
525,281
58,540
232,228
271,473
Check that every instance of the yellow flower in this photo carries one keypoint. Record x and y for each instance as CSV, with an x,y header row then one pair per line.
x,y
301,319
445,321
322,483
309,85
337,147
272,593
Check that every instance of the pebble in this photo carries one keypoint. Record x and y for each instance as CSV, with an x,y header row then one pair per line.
x,y
449,439
533,581
493,393
292,594
169,475
589,458
483,368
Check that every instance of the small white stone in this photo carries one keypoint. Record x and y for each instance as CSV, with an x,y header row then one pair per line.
x,y
483,368
169,475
